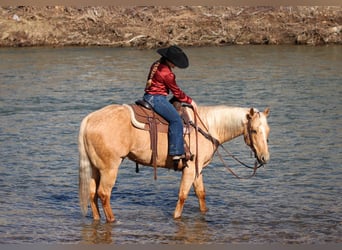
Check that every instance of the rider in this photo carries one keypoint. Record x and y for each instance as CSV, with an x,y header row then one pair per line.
x,y
161,80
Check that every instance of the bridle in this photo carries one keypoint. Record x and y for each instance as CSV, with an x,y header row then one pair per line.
x,y
248,140
248,135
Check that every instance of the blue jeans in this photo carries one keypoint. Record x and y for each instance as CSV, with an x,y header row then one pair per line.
x,y
163,107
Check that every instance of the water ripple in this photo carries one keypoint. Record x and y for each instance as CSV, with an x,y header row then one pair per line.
x,y
296,198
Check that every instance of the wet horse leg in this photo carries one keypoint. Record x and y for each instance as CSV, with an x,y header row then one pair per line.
x,y
94,182
107,181
185,185
200,193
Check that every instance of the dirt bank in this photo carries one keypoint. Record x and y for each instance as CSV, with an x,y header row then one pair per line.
x,y
150,27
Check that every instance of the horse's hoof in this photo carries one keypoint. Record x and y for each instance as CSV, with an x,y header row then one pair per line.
x,y
110,220
177,217
204,210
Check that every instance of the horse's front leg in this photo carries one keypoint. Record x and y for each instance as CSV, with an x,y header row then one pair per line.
x,y
200,193
187,180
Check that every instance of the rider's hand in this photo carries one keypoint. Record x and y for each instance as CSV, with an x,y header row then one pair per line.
x,y
194,105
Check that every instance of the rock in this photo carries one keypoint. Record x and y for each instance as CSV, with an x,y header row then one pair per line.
x,y
16,17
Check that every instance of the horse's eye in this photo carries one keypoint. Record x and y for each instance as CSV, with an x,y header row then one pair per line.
x,y
253,131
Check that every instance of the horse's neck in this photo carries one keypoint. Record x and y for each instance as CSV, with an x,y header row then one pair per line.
x,y
223,122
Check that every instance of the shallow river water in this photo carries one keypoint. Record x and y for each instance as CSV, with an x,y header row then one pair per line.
x,y
296,198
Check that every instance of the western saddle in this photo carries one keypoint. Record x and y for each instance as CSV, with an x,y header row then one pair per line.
x,y
154,123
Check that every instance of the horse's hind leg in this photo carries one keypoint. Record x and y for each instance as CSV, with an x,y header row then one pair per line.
x,y
200,193
94,182
107,181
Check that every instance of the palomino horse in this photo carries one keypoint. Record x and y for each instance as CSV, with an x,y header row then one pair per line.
x,y
107,136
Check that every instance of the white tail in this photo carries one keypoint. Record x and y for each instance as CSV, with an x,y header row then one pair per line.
x,y
84,170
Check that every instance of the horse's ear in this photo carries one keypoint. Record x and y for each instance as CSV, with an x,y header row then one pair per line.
x,y
267,112
250,113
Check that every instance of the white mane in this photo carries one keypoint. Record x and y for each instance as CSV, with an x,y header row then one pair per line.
x,y
224,122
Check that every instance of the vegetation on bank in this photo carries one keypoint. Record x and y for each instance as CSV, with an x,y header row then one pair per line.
x,y
152,26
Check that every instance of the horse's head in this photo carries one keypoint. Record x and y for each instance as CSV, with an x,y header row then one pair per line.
x,y
256,134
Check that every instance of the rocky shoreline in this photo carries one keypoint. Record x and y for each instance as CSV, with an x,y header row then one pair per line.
x,y
152,26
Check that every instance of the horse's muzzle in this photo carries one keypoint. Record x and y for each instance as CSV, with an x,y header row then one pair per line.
x,y
263,158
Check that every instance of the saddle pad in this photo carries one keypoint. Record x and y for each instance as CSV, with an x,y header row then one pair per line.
x,y
148,116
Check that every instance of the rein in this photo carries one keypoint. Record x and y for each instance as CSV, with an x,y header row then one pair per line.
x,y
217,144
256,166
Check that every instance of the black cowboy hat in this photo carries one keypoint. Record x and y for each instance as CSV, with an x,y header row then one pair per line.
x,y
175,55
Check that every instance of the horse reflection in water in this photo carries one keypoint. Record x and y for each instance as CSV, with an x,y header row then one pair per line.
x,y
97,233
194,230
107,136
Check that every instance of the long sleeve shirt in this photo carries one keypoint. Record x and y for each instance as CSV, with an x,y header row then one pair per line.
x,y
164,81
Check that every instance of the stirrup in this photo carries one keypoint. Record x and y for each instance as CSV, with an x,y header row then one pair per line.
x,y
183,165
185,158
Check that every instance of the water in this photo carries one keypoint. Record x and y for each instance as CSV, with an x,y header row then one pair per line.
x,y
296,198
